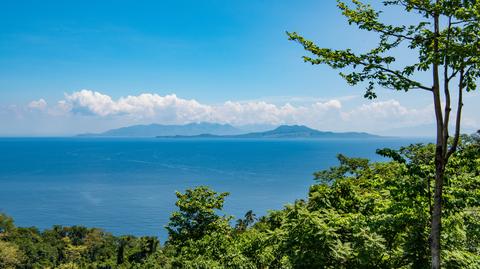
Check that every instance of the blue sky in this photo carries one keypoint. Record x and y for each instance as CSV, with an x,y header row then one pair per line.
x,y
231,59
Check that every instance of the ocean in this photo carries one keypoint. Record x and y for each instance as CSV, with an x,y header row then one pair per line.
x,y
127,186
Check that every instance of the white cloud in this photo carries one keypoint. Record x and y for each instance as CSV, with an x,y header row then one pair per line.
x,y
40,104
390,113
172,109
143,105
350,114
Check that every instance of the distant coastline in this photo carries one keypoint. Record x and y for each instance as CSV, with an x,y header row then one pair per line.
x,y
288,132
210,130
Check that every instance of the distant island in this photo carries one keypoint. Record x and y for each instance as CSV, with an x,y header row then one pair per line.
x,y
154,130
287,131
214,130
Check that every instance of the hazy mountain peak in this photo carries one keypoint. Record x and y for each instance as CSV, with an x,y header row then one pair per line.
x,y
154,129
293,128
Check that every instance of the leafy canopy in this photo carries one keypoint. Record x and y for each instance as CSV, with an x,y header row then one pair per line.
x,y
197,214
459,45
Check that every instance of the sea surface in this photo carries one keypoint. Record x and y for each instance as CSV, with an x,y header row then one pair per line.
x,y
127,186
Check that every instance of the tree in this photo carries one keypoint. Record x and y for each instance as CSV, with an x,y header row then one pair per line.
x,y
247,221
446,41
6,224
196,216
364,214
199,236
10,256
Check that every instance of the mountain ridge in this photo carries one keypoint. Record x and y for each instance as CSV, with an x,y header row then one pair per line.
x,y
216,130
286,131
153,130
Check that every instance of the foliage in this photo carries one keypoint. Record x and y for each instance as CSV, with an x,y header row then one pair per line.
x,y
196,216
445,40
10,255
75,247
247,221
459,44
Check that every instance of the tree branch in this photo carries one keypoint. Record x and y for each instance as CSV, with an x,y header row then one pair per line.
x,y
419,85
464,21
455,72
446,89
456,137
396,35
417,7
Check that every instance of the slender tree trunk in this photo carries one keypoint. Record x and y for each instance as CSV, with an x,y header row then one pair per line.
x,y
437,209
439,152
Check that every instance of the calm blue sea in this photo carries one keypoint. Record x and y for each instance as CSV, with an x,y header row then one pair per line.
x,y
127,186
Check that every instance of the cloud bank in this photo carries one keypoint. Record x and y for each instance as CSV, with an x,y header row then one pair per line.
x,y
175,110
90,111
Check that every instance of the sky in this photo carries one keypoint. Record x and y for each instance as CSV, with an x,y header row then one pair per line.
x,y
69,67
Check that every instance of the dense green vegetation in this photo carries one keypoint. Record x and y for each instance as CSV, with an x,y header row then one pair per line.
x,y
442,38
358,214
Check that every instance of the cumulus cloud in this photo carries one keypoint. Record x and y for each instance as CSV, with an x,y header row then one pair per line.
x,y
40,104
172,109
143,105
392,112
